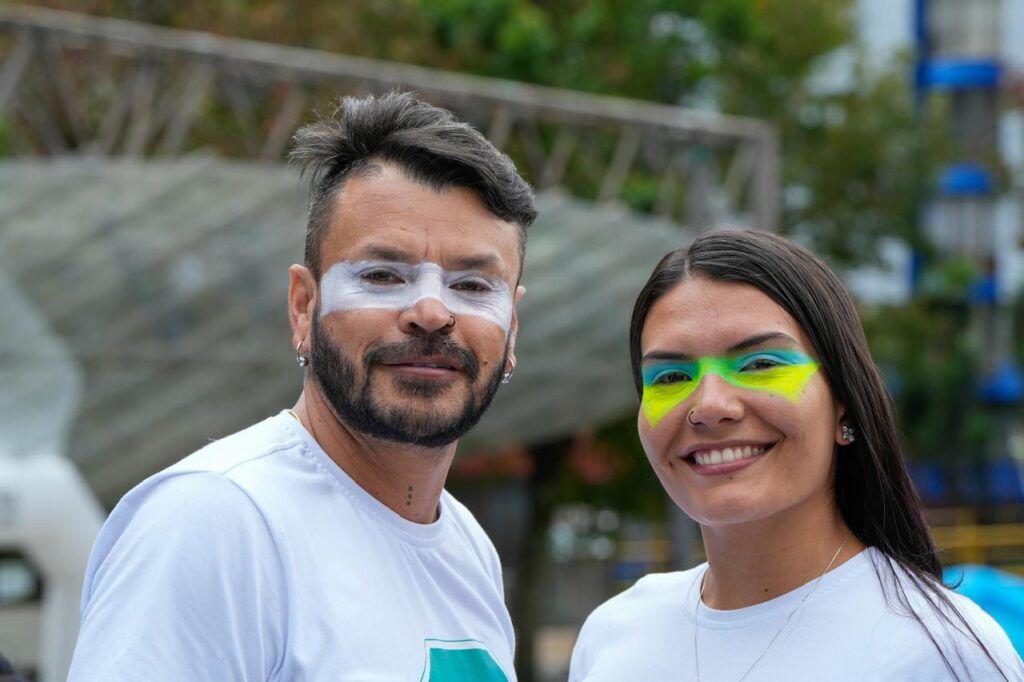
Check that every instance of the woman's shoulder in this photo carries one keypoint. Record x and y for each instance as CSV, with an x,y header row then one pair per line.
x,y
975,626
954,623
651,595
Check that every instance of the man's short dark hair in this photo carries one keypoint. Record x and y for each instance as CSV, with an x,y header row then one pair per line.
x,y
428,143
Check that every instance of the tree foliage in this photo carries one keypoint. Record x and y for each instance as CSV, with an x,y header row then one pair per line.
x,y
856,159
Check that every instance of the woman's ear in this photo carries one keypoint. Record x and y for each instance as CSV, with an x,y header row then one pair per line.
x,y
844,431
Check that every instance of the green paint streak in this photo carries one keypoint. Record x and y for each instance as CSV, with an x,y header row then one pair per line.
x,y
666,386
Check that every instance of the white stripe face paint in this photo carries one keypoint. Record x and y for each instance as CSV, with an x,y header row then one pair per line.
x,y
392,285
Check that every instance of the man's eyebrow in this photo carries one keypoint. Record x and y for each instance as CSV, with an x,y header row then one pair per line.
x,y
385,253
760,339
485,261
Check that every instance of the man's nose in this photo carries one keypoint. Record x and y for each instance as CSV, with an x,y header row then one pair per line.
x,y
426,316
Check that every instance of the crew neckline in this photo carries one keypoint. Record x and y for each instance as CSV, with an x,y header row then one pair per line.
x,y
849,570
423,534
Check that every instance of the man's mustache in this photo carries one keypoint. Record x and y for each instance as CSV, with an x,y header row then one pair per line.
x,y
420,346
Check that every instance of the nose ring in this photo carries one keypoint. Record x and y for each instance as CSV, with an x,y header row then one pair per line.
x,y
689,418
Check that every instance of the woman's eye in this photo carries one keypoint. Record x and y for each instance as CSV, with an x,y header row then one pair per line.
x,y
674,377
472,286
381,277
760,363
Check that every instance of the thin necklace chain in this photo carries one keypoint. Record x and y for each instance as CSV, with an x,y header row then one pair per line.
x,y
700,598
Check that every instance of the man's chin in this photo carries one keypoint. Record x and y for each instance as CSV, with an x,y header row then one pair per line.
x,y
428,432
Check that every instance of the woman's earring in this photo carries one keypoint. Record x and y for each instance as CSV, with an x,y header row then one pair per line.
x,y
301,359
849,435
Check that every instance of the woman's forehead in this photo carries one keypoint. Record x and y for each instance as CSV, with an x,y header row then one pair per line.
x,y
708,317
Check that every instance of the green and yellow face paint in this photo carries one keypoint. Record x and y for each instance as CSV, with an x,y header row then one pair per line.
x,y
783,372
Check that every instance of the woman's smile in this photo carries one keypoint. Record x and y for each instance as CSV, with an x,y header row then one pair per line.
x,y
711,459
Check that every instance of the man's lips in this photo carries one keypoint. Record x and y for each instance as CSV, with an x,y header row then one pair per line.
x,y
426,365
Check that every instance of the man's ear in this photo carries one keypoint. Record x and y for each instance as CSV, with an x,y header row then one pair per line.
x,y
513,328
302,299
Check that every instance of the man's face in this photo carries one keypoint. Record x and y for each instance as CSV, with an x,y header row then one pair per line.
x,y
401,262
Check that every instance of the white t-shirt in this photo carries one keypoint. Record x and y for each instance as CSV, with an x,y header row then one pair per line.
x,y
845,631
258,558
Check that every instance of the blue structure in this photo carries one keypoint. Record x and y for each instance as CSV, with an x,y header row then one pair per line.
x,y
965,180
958,74
999,593
1004,386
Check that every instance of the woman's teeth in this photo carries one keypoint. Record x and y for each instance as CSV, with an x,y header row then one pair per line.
x,y
708,457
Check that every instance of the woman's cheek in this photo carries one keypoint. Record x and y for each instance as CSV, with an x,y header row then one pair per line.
x,y
647,440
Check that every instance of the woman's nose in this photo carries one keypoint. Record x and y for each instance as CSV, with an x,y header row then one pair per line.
x,y
715,401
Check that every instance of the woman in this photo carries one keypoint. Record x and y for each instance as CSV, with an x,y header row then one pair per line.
x,y
768,424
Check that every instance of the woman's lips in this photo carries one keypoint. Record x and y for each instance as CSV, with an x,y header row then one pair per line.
x,y
726,459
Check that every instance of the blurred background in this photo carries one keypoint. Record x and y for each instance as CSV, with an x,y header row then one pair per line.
x,y
147,221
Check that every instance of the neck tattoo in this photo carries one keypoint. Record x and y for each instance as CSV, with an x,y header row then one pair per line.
x,y
700,598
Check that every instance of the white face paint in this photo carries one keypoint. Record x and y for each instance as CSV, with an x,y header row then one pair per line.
x,y
399,286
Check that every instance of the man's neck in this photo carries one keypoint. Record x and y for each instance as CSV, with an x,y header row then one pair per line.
x,y
405,478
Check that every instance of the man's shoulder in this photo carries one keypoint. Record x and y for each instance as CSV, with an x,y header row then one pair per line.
x,y
466,523
460,512
185,558
221,478
241,449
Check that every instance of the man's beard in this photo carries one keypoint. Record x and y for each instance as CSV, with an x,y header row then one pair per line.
x,y
355,404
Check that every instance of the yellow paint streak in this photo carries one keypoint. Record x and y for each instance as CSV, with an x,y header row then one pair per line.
x,y
787,381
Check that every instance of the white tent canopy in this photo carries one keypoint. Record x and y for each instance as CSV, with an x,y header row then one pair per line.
x,y
167,282
48,515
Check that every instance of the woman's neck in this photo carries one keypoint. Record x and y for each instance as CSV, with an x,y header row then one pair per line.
x,y
753,562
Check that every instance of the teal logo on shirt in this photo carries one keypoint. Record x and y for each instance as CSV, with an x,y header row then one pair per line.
x,y
458,660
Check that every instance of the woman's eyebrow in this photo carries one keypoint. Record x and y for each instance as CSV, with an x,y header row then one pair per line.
x,y
749,342
666,355
760,339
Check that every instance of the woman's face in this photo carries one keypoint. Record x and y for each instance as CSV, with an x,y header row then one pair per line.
x,y
737,418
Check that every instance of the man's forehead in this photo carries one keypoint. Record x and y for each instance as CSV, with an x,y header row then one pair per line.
x,y
387,216
391,196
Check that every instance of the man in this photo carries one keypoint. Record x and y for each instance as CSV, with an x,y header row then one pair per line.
x,y
320,544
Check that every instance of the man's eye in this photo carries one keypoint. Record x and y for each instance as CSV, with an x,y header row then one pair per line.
x,y
760,363
473,286
673,377
381,277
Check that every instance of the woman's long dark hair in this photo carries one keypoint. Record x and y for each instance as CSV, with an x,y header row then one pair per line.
x,y
873,491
